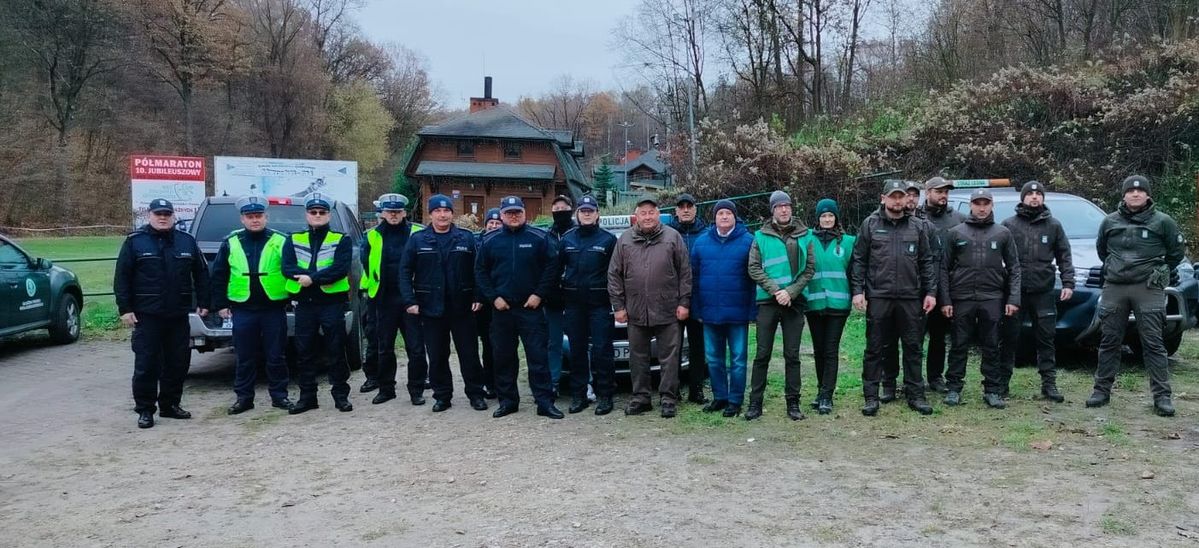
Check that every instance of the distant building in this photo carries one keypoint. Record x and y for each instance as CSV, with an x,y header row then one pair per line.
x,y
641,172
492,152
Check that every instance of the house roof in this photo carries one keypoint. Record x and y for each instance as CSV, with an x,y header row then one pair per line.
x,y
498,122
482,169
652,160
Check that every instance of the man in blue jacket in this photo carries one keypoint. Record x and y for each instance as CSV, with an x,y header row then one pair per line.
x,y
437,285
585,252
723,299
516,265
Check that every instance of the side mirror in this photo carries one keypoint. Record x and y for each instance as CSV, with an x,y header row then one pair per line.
x,y
44,264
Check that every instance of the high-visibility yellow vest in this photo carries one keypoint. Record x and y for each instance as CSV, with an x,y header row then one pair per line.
x,y
269,271
323,259
374,261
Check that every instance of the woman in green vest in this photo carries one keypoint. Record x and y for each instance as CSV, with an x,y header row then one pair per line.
x,y
828,298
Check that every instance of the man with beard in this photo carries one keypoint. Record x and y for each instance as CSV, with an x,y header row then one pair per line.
x,y
1041,242
891,364
690,226
1140,248
980,284
894,280
936,211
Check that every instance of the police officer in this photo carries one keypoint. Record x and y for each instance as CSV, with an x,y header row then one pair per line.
x,y
1041,242
894,280
891,364
690,226
1140,248
160,277
937,212
316,263
586,252
980,284
248,288
483,316
437,287
370,362
563,211
382,251
515,267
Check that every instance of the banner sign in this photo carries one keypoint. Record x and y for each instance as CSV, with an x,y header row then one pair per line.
x,y
179,179
285,178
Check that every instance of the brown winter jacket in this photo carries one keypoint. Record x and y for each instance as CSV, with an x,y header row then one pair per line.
x,y
650,276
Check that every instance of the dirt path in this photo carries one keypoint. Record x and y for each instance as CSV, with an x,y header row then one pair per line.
x,y
75,470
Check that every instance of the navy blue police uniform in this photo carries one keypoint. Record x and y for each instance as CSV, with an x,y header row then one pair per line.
x,y
160,277
585,252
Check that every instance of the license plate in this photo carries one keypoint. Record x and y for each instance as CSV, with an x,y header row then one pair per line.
x,y
620,353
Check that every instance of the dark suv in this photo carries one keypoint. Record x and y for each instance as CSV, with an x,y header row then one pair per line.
x,y
217,217
35,294
1078,318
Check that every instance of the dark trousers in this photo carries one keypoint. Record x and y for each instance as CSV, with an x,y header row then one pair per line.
x,y
889,323
1040,310
770,316
697,369
161,358
260,335
826,332
483,329
318,323
370,365
641,340
390,318
437,333
937,327
508,327
589,329
1149,304
976,320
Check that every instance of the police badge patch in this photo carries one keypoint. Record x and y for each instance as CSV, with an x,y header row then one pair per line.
x,y
1044,238
1144,234
994,245
911,248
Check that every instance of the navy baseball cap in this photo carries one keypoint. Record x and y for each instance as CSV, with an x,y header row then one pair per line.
x,y
511,203
318,200
392,202
588,202
251,204
981,194
438,201
493,214
159,204
684,198
648,199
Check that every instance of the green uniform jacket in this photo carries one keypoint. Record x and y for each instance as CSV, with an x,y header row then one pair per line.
x,y
1139,247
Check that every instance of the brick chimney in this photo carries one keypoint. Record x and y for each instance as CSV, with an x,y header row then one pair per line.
x,y
633,154
486,101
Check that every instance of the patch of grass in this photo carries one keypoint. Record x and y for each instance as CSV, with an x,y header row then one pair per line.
x,y
262,421
99,313
829,534
1117,526
1019,434
373,535
695,458
1115,433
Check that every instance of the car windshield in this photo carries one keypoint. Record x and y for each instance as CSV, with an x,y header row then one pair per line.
x,y
1079,217
221,219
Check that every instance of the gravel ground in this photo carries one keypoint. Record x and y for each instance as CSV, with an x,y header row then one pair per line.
x,y
76,471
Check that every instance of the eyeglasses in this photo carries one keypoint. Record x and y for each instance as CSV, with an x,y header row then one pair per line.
x,y
318,212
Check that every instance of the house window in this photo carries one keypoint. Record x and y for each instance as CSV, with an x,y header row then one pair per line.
x,y
466,148
512,151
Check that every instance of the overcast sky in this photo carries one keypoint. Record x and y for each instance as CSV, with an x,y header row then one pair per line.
x,y
523,44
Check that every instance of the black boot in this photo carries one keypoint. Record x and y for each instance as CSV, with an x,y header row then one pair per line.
x,y
697,396
1163,406
1098,399
920,405
240,406
342,403
577,405
369,386
1051,393
603,405
145,419
174,412
383,396
716,405
732,410
753,411
888,394
304,404
793,409
871,407
994,400
824,402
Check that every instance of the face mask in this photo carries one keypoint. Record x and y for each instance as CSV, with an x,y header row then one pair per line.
x,y
562,217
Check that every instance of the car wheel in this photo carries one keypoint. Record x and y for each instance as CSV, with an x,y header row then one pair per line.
x,y
355,345
67,323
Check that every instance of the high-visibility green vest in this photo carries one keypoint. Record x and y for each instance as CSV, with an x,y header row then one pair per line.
x,y
323,259
775,262
269,271
829,288
374,261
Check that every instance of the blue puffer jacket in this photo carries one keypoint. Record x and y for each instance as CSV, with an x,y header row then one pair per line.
x,y
723,292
